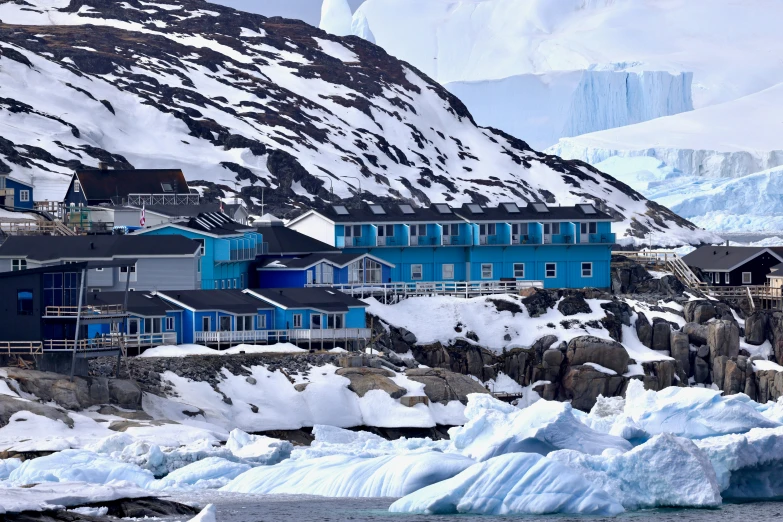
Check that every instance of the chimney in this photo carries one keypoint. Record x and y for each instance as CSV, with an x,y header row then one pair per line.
x,y
727,242
103,165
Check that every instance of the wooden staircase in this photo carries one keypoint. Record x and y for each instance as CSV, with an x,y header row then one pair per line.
x,y
671,262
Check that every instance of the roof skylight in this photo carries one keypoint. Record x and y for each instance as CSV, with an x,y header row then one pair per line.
x,y
340,210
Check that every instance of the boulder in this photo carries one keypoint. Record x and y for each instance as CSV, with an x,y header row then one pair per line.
x,y
551,361
699,312
539,302
661,335
719,370
701,371
697,333
659,374
573,304
99,390
681,352
609,354
723,339
583,384
366,379
443,386
733,379
775,334
433,355
644,330
54,387
124,393
543,344
515,364
10,405
756,328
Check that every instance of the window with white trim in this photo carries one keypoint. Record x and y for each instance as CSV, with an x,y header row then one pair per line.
x,y
486,271
244,323
448,272
550,270
727,278
335,321
587,269
24,196
128,271
77,187
417,272
315,321
747,278
519,270
261,322
18,264
297,320
169,324
348,230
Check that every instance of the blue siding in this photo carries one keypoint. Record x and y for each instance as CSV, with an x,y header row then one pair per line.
x,y
275,278
18,187
356,318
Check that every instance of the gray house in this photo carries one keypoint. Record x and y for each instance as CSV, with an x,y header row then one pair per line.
x,y
161,262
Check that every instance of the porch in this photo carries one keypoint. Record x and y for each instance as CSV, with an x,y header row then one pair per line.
x,y
298,336
392,292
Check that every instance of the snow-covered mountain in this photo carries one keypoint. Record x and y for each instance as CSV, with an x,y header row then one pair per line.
x,y
275,104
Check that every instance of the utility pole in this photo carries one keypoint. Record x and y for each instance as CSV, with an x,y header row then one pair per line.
x,y
359,181
331,186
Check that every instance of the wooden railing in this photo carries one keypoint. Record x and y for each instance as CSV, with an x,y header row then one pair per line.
x,y
453,288
148,340
668,260
275,336
86,310
21,347
39,227
103,343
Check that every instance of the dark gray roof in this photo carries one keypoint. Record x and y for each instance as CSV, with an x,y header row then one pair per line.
x,y
139,303
232,301
103,185
776,271
181,210
287,241
324,299
216,223
511,211
726,258
52,248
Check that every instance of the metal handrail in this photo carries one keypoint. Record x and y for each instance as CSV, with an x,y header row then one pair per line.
x,y
267,336
73,311
454,288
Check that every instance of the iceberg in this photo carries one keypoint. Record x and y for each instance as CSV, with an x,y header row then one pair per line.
x,y
209,473
208,514
330,440
513,484
495,428
349,476
79,466
666,471
258,448
694,413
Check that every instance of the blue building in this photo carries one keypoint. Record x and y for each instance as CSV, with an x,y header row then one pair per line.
x,y
228,248
564,247
16,193
324,269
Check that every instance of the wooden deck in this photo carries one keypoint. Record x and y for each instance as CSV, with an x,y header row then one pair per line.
x,y
393,292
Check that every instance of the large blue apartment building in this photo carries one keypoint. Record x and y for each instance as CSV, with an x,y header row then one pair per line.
x,y
565,247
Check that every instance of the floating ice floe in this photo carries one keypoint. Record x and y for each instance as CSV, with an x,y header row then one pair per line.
x,y
349,476
666,471
495,428
208,514
512,484
208,473
336,441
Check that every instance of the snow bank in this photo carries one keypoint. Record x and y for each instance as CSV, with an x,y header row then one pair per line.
x,y
185,350
694,413
666,471
514,484
495,428
349,476
47,496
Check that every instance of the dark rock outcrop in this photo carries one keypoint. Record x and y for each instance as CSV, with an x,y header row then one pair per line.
x,y
609,354
443,386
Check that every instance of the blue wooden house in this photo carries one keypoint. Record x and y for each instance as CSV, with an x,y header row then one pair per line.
x,y
564,247
16,193
323,269
228,248
312,308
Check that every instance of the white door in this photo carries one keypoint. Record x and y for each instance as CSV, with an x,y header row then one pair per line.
x,y
547,233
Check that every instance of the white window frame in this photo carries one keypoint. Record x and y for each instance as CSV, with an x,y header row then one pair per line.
x,y
517,270
209,323
171,324
589,269
261,322
297,321
749,278
491,270
546,270
420,271
24,196
245,321
727,277
95,290
124,270
313,318
17,265
447,275
77,187
99,269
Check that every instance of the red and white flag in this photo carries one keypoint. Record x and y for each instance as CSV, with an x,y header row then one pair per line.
x,y
143,217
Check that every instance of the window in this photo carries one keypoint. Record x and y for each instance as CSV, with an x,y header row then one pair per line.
x,y
373,271
451,230
727,278
519,229
156,325
419,230
442,208
550,270
348,230
416,272
234,282
18,264
225,323
377,209
222,284
487,229
315,321
555,228
511,208
519,270
747,278
198,265
169,324
587,269
297,320
406,209
327,274
24,195
244,323
167,187
99,269
340,210
593,227
335,321
202,249
24,302
77,187
486,271
261,322
357,231
128,271
448,272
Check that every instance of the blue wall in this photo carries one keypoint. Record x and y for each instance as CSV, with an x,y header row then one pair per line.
x,y
18,186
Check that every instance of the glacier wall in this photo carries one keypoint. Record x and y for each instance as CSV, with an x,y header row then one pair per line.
x,y
542,108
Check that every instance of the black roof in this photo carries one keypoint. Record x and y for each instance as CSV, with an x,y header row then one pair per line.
x,y
444,213
286,241
776,271
726,258
103,185
139,303
216,223
337,259
231,301
52,248
323,299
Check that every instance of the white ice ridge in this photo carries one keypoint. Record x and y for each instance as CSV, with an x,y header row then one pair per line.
x,y
495,428
513,484
541,108
48,496
349,476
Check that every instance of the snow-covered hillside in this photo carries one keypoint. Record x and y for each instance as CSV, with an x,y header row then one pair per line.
x,y
275,103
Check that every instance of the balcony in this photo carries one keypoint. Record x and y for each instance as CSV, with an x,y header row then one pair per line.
x,y
525,239
86,311
275,336
492,240
605,239
425,241
392,241
456,241
558,239
162,199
